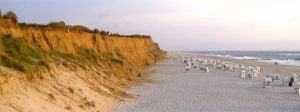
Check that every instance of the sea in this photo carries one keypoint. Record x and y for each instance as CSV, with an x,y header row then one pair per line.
x,y
281,57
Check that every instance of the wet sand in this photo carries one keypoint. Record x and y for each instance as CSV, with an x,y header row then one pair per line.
x,y
174,90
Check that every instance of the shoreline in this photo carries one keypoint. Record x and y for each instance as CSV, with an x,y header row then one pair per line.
x,y
290,62
270,67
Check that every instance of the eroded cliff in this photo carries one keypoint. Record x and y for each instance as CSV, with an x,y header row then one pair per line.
x,y
64,70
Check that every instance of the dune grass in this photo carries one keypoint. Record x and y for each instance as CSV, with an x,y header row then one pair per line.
x,y
20,56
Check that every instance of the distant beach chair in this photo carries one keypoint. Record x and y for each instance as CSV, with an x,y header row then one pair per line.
x,y
236,68
195,65
243,74
275,77
187,68
250,72
206,69
258,69
297,88
242,67
285,80
295,77
267,81
255,73
219,66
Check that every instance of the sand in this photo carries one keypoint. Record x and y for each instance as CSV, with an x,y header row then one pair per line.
x,y
174,90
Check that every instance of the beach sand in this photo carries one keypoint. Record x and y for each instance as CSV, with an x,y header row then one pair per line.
x,y
173,90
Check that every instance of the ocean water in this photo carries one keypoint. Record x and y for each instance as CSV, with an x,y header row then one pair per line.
x,y
281,57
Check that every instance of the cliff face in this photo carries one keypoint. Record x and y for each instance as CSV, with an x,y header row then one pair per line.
x,y
136,52
103,65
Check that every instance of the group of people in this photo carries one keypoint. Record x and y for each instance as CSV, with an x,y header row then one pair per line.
x,y
205,64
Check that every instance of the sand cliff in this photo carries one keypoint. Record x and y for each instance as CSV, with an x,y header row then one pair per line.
x,y
88,74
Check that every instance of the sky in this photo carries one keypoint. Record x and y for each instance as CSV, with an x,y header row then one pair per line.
x,y
178,25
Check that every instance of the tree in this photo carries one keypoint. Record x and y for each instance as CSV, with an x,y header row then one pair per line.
x,y
11,15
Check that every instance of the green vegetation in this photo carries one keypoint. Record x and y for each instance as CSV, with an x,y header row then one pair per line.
x,y
109,56
60,24
11,15
77,28
20,56
87,55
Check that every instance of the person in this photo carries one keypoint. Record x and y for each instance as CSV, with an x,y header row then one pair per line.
x,y
291,81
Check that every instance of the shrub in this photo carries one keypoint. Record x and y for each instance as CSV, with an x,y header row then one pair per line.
x,y
96,30
60,24
104,32
11,15
34,25
80,28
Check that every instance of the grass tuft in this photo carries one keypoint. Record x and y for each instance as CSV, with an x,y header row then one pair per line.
x,y
20,56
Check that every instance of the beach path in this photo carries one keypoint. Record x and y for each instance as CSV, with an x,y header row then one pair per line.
x,y
174,90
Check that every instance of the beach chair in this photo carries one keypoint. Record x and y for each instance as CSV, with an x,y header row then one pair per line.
x,y
297,88
242,67
206,69
219,66
258,69
236,68
285,80
187,68
295,77
243,74
255,73
267,81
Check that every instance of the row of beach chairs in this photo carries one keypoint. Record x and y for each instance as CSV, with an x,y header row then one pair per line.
x,y
204,64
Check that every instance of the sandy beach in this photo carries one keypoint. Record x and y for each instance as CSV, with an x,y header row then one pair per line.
x,y
173,90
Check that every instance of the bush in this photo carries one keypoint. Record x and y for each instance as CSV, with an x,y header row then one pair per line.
x,y
80,28
60,24
11,15
96,30
34,25
104,32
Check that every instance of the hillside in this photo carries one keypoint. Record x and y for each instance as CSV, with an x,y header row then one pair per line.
x,y
57,69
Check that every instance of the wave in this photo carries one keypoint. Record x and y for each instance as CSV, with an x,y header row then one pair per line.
x,y
290,54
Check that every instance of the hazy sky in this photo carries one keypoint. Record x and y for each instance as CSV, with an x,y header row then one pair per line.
x,y
178,24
